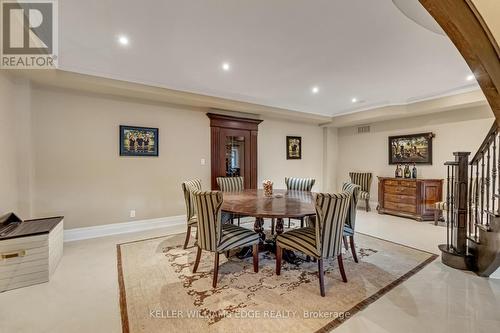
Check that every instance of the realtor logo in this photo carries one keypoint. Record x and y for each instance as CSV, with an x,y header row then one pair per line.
x,y
29,34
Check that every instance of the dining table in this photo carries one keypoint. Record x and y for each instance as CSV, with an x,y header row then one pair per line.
x,y
278,206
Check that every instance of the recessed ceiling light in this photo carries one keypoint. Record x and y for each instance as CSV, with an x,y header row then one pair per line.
x,y
470,77
315,89
354,100
226,66
123,40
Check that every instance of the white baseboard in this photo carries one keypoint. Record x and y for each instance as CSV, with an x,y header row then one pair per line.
x,y
122,228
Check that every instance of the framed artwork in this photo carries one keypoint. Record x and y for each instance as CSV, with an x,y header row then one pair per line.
x,y
414,148
138,141
293,147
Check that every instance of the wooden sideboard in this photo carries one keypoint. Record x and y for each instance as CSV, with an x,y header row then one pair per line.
x,y
412,198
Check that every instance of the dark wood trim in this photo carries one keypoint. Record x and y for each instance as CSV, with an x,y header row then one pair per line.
x,y
219,120
464,25
220,126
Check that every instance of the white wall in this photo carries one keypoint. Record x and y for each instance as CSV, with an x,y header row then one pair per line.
x,y
15,139
79,173
272,162
459,130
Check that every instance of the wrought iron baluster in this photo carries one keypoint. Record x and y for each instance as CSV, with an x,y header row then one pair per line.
x,y
476,203
452,222
487,196
482,188
470,224
494,173
448,199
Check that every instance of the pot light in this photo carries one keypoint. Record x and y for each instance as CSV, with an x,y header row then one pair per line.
x,y
470,77
354,100
315,89
123,40
226,66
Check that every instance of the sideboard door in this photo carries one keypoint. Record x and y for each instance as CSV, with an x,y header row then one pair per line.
x,y
431,192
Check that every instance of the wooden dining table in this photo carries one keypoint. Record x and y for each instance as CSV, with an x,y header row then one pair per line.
x,y
282,204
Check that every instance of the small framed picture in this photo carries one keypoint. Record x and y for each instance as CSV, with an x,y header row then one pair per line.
x,y
293,147
138,141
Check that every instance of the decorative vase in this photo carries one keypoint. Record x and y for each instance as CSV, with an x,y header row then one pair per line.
x,y
268,188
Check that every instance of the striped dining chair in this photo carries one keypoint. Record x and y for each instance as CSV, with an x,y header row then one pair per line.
x,y
231,184
350,220
216,237
363,179
299,184
322,241
188,187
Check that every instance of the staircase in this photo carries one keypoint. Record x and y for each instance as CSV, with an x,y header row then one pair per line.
x,y
473,208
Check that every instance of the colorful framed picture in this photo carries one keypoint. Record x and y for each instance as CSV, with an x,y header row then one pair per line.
x,y
414,148
138,141
293,147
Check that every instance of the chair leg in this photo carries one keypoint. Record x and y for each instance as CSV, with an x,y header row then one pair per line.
x,y
341,267
302,222
197,261
216,269
344,240
367,205
256,258
238,221
321,274
353,249
188,234
273,221
436,216
288,223
279,253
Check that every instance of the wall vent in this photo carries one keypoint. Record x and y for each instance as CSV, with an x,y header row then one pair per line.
x,y
363,129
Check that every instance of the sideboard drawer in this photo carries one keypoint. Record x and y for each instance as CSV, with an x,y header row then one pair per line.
x,y
398,198
407,183
412,191
401,207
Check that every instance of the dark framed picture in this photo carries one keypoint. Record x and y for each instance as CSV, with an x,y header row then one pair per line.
x,y
138,141
414,148
293,147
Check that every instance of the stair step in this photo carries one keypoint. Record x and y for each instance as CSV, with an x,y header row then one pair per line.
x,y
492,213
474,239
483,227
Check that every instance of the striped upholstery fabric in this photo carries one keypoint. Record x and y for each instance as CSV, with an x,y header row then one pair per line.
x,y
440,205
299,184
234,237
363,195
188,187
325,238
350,222
212,234
363,179
230,184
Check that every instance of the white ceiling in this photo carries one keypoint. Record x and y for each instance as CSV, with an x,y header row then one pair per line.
x,y
278,50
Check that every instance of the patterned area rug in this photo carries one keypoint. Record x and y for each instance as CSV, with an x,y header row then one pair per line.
x,y
159,292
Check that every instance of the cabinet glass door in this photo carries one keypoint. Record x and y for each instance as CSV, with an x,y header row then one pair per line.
x,y
235,156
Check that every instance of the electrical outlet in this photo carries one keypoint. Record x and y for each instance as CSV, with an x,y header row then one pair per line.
x,y
132,213
203,161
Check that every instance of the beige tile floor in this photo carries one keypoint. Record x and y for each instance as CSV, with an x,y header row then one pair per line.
x,y
83,293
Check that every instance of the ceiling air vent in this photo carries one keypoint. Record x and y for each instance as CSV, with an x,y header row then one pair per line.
x,y
363,129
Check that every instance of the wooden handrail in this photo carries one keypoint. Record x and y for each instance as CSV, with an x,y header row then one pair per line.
x,y
486,142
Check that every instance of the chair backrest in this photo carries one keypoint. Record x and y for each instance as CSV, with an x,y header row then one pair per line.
x,y
363,179
331,211
353,190
230,184
208,205
188,187
299,184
